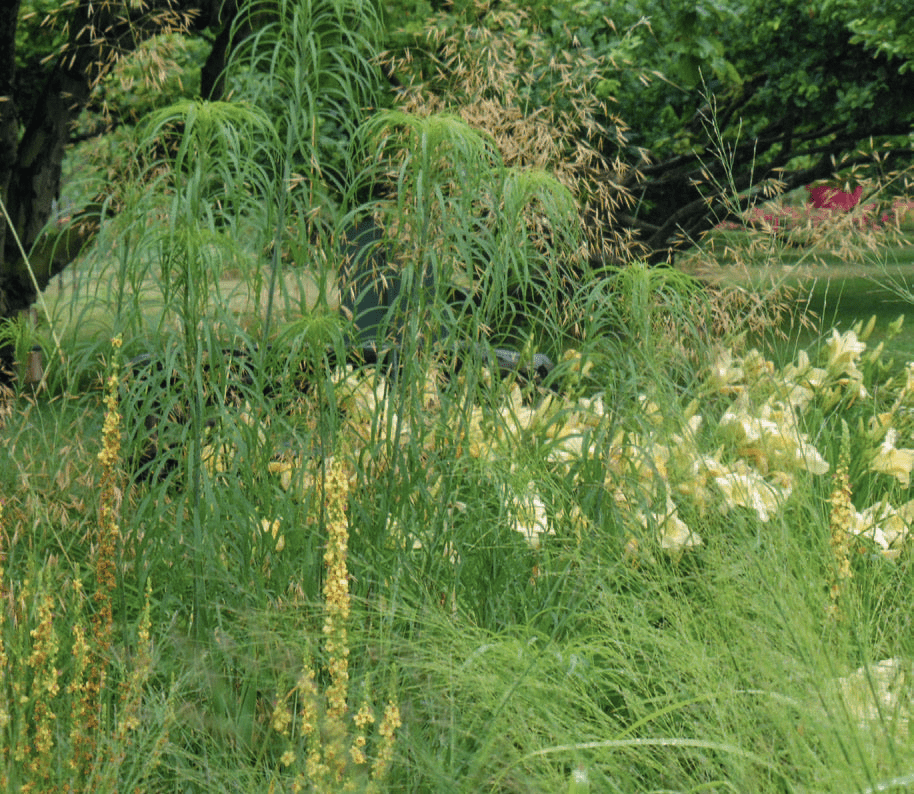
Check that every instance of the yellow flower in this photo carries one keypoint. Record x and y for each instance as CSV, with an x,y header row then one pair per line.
x,y
675,535
893,461
800,381
773,439
843,353
650,410
531,519
884,525
268,527
879,694
908,389
756,366
745,487
726,377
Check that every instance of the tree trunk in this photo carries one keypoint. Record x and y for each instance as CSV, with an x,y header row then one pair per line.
x,y
31,166
9,126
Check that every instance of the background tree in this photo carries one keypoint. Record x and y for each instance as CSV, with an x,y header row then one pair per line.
x,y
53,56
714,105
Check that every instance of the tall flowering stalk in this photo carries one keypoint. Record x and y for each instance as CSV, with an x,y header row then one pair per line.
x,y
841,521
336,612
336,746
105,566
336,590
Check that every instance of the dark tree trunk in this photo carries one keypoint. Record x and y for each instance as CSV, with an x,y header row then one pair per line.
x,y
9,125
212,83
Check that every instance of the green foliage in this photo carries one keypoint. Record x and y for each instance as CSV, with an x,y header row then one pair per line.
x,y
310,67
621,579
882,27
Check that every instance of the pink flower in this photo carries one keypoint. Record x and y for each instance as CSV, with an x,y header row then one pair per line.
x,y
824,197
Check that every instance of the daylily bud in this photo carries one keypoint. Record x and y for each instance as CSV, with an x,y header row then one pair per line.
x,y
868,329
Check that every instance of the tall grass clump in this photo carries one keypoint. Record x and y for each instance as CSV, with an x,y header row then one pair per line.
x,y
541,103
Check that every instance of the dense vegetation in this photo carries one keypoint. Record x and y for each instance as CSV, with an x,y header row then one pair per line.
x,y
241,551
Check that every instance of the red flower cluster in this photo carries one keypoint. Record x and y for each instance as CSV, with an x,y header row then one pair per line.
x,y
823,197
823,203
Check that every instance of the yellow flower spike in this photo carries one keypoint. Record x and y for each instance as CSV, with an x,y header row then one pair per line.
x,y
908,388
874,354
895,327
842,520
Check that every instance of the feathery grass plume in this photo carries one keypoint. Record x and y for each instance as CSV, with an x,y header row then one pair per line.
x,y
841,521
500,73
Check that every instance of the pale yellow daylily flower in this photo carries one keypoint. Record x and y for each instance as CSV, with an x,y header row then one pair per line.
x,y
884,525
879,694
694,484
800,381
745,487
726,375
773,439
844,352
879,424
756,367
650,410
271,528
569,448
531,519
896,462
674,534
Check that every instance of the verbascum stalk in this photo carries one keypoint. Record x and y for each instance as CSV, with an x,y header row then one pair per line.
x,y
841,520
105,565
337,741
336,613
